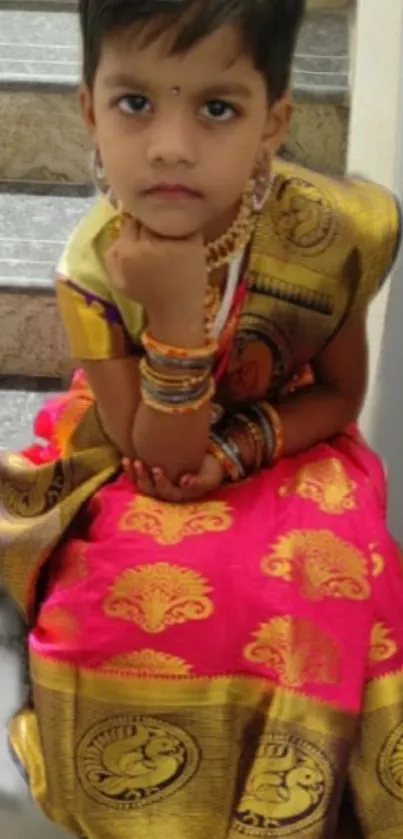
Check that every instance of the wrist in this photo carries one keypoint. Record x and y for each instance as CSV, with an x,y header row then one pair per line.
x,y
180,328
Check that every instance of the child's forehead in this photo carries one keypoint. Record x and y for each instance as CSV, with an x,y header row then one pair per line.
x,y
136,50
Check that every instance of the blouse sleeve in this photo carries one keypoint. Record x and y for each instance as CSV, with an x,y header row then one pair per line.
x,y
99,322
376,223
94,327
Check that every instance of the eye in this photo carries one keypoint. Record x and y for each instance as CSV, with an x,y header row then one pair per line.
x,y
218,110
134,103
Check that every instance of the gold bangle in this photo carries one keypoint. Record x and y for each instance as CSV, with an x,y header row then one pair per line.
x,y
166,407
171,382
255,438
180,353
278,430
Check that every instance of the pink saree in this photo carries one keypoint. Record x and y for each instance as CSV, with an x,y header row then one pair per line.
x,y
221,668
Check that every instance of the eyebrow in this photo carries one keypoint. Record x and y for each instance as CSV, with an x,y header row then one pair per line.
x,y
228,89
125,80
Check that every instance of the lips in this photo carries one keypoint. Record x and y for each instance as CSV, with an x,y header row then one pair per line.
x,y
173,191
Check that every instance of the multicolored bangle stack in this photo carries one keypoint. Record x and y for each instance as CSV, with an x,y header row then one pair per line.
x,y
263,432
174,380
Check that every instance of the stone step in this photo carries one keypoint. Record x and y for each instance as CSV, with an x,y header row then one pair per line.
x,y
39,73
312,5
33,231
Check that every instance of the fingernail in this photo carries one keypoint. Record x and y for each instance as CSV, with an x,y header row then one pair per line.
x,y
157,473
138,468
187,481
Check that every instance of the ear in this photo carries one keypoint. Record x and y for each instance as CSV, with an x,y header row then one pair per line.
x,y
86,101
278,119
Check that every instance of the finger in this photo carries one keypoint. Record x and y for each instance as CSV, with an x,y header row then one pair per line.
x,y
165,488
127,466
143,479
193,493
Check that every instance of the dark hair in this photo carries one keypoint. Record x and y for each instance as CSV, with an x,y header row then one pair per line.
x,y
269,29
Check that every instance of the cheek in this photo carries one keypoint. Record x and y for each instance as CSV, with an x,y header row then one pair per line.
x,y
233,159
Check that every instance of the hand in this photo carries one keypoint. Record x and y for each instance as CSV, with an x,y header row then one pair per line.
x,y
160,274
155,484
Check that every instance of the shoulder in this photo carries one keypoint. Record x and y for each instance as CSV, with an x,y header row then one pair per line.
x,y
325,224
82,260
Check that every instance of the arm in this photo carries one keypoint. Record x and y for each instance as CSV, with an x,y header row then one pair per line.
x,y
175,443
315,415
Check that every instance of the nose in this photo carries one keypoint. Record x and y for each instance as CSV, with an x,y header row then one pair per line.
x,y
171,141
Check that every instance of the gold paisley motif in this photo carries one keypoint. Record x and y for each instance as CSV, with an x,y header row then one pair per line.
x,y
288,789
151,663
169,524
326,483
155,597
390,763
320,564
296,650
128,762
383,647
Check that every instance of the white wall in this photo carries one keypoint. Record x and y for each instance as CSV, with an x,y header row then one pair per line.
x,y
376,151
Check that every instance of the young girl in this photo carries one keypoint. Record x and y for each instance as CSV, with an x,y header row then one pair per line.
x,y
216,631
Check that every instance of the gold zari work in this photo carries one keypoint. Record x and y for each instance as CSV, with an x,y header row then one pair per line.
x,y
296,650
150,663
128,762
320,563
326,484
170,524
288,789
155,597
274,756
383,646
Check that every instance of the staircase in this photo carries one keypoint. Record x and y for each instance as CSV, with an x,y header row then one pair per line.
x,y
45,187
45,183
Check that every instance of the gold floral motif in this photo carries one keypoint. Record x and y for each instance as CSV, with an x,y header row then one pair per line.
x,y
288,788
151,663
383,647
390,764
155,597
320,564
128,762
169,524
327,484
296,650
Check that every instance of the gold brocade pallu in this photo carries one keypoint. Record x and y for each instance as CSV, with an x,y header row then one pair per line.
x,y
214,669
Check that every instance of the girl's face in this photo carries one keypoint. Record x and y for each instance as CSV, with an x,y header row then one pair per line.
x,y
180,135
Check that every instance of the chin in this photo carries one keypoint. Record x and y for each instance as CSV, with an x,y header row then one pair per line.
x,y
171,222
170,230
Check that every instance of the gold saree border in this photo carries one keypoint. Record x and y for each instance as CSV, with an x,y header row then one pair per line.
x,y
122,688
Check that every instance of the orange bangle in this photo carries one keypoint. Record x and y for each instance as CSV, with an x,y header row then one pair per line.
x,y
278,430
179,353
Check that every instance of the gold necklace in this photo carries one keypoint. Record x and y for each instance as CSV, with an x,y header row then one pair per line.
x,y
212,302
221,251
